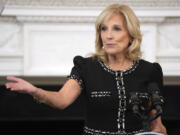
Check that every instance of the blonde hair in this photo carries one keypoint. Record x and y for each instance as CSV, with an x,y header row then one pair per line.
x,y
133,27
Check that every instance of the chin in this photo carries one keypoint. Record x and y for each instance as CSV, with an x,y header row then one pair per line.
x,y
111,52
114,51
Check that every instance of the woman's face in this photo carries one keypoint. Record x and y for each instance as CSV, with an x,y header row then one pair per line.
x,y
114,35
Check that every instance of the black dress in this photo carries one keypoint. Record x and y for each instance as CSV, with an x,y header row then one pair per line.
x,y
107,94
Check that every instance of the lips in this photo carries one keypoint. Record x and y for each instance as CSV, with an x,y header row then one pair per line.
x,y
110,45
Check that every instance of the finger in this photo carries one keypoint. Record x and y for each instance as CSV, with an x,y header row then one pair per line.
x,y
12,78
156,130
9,85
12,86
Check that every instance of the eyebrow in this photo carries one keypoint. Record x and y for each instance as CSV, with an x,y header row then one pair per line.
x,y
117,25
113,25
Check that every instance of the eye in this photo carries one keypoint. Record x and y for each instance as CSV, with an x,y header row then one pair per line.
x,y
116,28
103,28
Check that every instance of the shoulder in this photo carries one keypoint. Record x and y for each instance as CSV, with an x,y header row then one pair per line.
x,y
145,62
80,60
152,66
84,59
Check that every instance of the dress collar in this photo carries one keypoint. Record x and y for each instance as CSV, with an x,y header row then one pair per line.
x,y
127,71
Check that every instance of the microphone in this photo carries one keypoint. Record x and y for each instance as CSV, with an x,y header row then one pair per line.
x,y
134,103
139,106
156,99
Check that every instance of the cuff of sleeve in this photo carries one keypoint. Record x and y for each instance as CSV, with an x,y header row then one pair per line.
x,y
75,77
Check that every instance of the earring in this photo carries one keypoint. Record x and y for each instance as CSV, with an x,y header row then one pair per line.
x,y
129,44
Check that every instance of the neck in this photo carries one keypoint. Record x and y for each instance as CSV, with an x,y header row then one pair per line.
x,y
117,59
119,62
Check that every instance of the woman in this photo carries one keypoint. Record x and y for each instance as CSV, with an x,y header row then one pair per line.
x,y
107,78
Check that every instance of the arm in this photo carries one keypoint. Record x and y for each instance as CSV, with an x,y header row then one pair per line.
x,y
157,77
60,99
157,125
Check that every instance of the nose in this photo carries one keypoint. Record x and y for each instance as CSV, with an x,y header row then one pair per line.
x,y
109,34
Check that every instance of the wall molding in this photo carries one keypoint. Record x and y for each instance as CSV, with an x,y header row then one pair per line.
x,y
55,19
80,11
80,14
80,19
93,3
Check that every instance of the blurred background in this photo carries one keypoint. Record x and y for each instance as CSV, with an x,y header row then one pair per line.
x,y
39,39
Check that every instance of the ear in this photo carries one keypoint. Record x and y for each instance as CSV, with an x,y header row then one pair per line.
x,y
130,41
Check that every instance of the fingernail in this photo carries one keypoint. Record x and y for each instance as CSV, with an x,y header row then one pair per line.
x,y
7,87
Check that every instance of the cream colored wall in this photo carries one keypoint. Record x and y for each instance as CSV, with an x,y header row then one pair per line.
x,y
40,38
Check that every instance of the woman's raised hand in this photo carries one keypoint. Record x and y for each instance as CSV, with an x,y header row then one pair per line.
x,y
20,85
